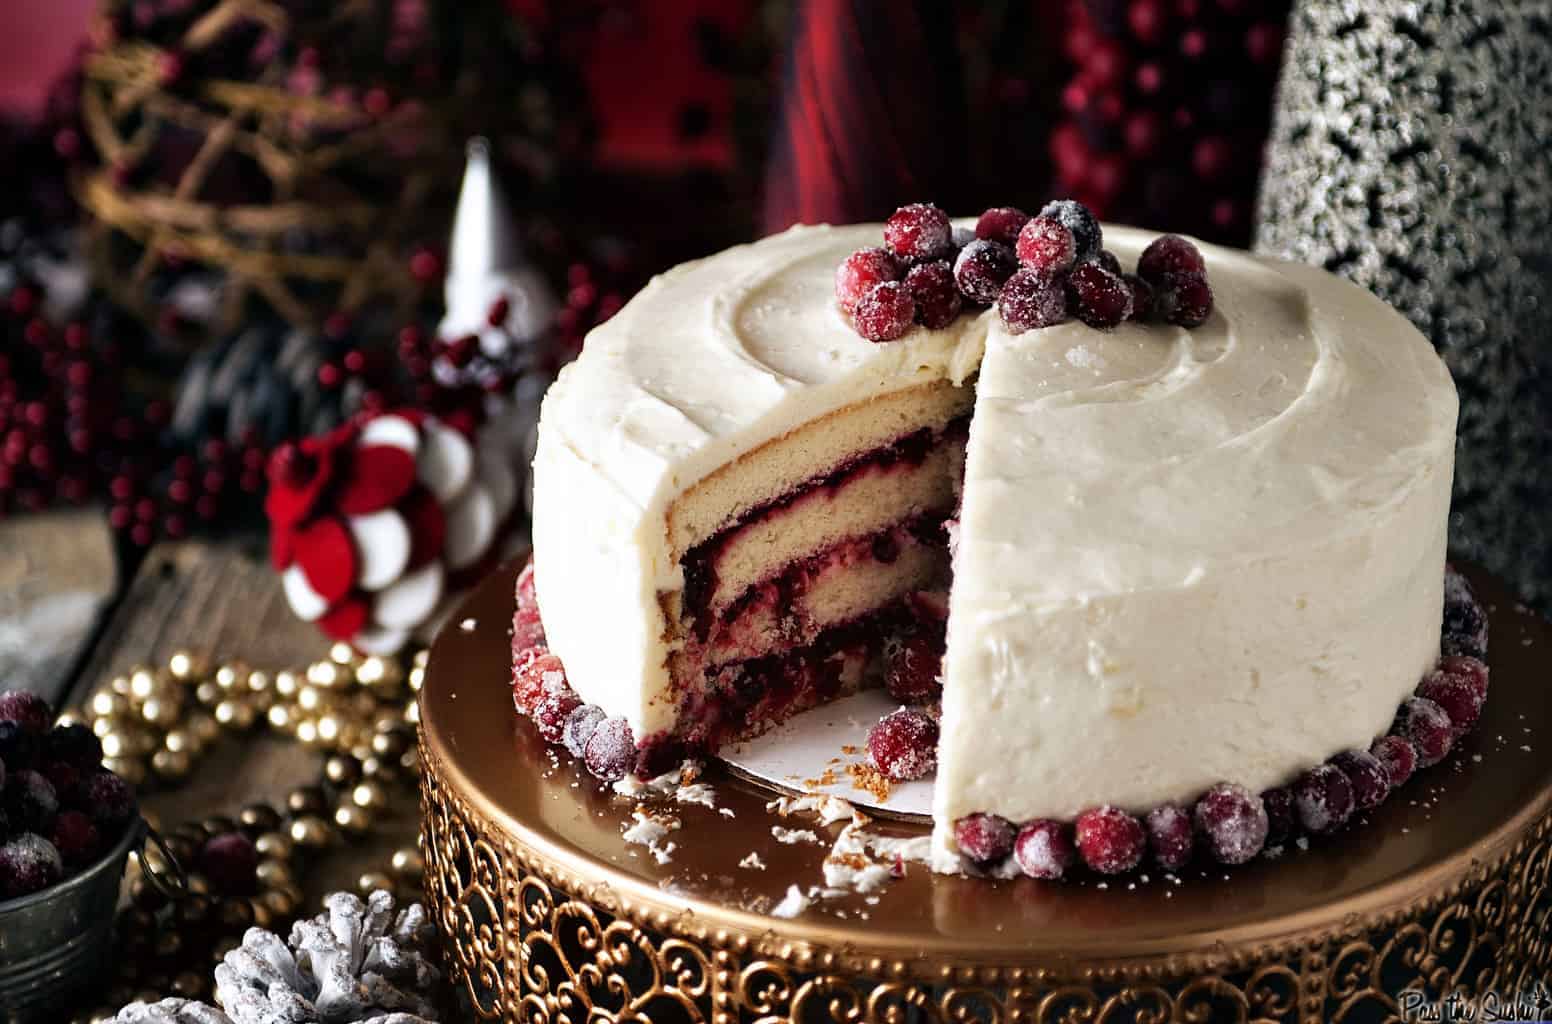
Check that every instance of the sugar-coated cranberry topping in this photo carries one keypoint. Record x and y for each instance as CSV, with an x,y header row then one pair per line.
x,y
579,727
1469,670
982,268
938,301
63,776
1234,822
1428,728
231,862
535,677
1142,297
1324,798
1398,757
914,662
904,744
30,801
551,712
1169,836
1110,840
1465,621
75,745
18,747
611,751
1108,260
1030,299
919,231
1170,256
1282,817
1045,849
28,863
1047,246
1001,224
1461,701
27,710
527,629
1075,217
985,839
108,800
860,272
1098,297
1183,301
75,837
886,312
1367,774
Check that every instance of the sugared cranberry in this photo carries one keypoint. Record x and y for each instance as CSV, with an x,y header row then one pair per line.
x,y
230,861
1098,297
904,744
1077,219
1398,757
1281,814
1234,822
579,727
1047,245
1169,836
1428,728
860,272
1142,297
1183,301
1170,256
1469,670
914,663
1110,840
26,709
985,839
527,629
610,751
919,231
982,268
107,800
931,285
886,312
1108,260
18,747
1030,299
63,776
1370,780
1465,621
75,837
534,678
1461,701
74,744
28,863
30,801
552,710
1324,798
1044,849
1001,224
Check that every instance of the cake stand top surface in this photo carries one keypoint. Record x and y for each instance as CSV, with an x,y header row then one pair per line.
x,y
1467,811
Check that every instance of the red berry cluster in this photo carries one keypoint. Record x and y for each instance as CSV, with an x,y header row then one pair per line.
x,y
1231,824
1167,108
1038,271
59,808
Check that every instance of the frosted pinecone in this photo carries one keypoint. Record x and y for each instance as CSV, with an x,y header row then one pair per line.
x,y
170,1011
356,963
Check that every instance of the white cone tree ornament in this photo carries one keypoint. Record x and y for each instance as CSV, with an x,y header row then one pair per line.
x,y
376,525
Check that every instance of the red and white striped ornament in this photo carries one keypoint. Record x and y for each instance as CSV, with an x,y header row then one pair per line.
x,y
375,524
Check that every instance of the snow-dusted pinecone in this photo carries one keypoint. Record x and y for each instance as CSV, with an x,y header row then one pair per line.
x,y
356,963
170,1011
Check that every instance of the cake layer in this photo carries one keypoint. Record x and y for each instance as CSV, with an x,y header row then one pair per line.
x,y
909,478
847,582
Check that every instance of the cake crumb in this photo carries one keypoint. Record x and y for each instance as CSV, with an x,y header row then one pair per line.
x,y
752,862
696,793
792,904
649,831
829,809
726,812
790,836
468,625
870,780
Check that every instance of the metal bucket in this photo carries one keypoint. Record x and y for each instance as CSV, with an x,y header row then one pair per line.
x,y
55,944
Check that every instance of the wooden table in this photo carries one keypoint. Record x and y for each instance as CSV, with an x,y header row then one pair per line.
x,y
215,598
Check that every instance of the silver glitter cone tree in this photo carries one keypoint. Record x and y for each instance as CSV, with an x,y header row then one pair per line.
x,y
1410,152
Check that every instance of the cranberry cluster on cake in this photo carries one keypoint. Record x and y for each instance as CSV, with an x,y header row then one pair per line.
x,y
1088,527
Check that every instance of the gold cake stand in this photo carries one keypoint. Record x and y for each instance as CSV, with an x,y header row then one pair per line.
x,y
549,914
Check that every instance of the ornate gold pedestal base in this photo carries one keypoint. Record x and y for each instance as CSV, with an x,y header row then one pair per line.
x,y
550,915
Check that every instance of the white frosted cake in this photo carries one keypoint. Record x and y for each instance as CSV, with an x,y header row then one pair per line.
x,y
1182,556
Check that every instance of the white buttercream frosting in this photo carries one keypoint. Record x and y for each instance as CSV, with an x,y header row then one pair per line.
x,y
1183,556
